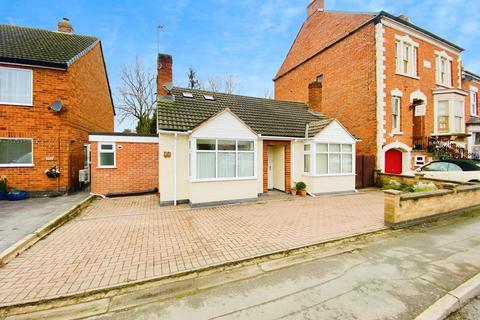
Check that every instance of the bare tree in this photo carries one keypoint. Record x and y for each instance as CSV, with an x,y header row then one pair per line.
x,y
214,84
267,94
230,84
193,83
137,96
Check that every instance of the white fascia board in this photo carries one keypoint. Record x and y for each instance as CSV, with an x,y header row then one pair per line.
x,y
113,138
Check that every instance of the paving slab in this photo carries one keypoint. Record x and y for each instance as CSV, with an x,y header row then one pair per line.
x,y
126,240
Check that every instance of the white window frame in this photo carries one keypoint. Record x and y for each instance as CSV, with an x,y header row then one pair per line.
x,y
443,56
451,99
18,165
313,159
309,153
473,101
29,104
401,43
100,151
397,125
193,161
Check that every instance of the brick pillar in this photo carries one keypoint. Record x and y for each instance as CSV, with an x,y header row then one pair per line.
x,y
164,73
392,206
314,6
315,96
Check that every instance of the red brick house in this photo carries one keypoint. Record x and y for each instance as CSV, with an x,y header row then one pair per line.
x,y
54,89
395,86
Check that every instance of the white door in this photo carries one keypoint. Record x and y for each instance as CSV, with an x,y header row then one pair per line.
x,y
270,168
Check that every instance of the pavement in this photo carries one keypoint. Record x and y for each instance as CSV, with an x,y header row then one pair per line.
x,y
20,218
124,240
396,276
469,312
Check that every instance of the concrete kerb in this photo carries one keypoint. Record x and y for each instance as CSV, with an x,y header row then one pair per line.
x,y
29,240
134,294
452,301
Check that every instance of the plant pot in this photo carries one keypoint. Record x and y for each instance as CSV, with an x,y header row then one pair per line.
x,y
3,195
293,192
52,175
17,195
303,193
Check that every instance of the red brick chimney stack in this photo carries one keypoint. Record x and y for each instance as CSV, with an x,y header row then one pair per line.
x,y
315,96
164,73
65,26
314,6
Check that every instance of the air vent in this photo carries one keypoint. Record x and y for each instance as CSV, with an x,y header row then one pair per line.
x,y
209,97
187,94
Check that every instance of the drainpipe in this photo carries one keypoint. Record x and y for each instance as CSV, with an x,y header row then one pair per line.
x,y
175,170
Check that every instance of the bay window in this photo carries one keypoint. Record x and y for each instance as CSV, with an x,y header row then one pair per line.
x,y
307,158
16,86
224,159
443,116
16,152
458,123
330,158
450,115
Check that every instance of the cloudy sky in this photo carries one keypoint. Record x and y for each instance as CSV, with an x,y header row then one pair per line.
x,y
245,38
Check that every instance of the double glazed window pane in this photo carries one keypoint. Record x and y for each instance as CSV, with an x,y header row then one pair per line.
x,y
245,164
226,164
15,86
205,165
334,163
322,163
16,151
347,163
204,144
226,145
107,159
245,145
306,163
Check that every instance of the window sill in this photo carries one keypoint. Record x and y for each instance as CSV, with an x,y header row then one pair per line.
x,y
13,165
222,179
107,167
446,86
407,75
396,133
16,104
329,175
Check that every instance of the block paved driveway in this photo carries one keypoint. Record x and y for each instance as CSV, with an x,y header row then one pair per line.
x,y
119,240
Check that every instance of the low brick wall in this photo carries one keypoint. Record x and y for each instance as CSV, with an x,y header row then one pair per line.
x,y
383,178
402,209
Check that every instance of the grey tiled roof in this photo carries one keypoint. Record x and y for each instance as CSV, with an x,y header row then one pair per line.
x,y
41,47
315,127
265,116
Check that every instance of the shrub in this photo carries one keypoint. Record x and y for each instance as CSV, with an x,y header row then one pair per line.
x,y
300,185
3,184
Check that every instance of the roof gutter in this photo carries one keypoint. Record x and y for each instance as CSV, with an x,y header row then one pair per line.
x,y
160,131
35,64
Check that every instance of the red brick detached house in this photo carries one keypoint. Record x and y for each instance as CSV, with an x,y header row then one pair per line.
x,y
394,85
53,91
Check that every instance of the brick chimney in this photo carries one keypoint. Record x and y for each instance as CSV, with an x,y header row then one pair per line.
x,y
315,96
65,26
164,73
314,6
404,17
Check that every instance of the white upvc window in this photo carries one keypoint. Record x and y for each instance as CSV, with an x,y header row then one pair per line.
x,y
16,152
329,159
443,69
396,111
450,115
16,86
406,52
307,158
224,159
106,155
473,101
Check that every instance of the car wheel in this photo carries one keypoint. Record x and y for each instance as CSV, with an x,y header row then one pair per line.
x,y
474,181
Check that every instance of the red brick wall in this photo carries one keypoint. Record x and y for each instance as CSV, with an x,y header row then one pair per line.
x,y
349,85
136,169
84,92
287,169
407,85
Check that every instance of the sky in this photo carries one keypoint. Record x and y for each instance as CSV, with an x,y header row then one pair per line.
x,y
245,38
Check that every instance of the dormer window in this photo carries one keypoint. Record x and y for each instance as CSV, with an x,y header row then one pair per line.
x,y
406,51
443,69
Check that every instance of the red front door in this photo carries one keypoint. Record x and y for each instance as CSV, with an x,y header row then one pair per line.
x,y
393,161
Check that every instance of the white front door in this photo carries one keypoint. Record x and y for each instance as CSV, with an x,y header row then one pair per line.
x,y
270,168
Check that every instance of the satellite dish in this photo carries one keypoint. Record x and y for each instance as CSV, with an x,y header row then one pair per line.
x,y
168,86
57,106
